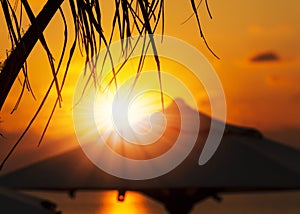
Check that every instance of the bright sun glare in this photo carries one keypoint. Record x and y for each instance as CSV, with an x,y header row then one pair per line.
x,y
125,112
112,113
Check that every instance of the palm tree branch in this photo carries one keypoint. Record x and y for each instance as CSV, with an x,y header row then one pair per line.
x,y
18,56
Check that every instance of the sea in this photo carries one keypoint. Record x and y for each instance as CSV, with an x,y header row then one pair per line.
x,y
105,202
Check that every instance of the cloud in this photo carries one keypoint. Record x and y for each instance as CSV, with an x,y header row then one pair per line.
x,y
265,57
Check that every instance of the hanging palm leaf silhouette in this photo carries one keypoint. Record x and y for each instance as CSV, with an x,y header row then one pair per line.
x,y
130,17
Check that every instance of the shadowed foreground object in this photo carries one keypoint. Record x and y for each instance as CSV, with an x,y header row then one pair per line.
x,y
15,202
244,162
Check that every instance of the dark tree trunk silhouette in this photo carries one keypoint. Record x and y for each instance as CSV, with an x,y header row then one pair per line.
x,y
18,56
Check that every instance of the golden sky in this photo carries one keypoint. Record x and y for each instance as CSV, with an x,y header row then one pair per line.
x,y
257,41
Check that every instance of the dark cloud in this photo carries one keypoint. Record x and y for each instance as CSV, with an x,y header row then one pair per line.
x,y
265,57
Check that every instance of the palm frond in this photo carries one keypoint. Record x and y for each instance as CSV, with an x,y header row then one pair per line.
x,y
21,47
131,17
199,25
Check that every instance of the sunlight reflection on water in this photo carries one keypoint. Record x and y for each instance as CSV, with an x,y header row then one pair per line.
x,y
134,203
105,202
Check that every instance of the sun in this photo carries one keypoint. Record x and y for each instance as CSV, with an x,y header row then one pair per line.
x,y
128,117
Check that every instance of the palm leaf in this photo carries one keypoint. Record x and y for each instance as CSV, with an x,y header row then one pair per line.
x,y
131,17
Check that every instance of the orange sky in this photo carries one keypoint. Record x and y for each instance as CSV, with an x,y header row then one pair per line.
x,y
262,94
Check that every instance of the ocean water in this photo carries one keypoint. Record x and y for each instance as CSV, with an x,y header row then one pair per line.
x,y
103,202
